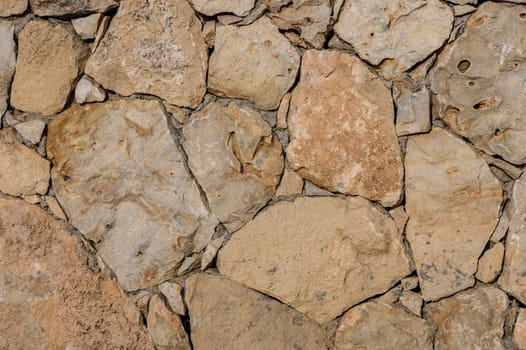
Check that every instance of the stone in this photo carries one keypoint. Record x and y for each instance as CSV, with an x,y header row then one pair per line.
x,y
472,319
400,217
209,33
413,108
166,328
55,207
210,253
31,130
153,48
88,90
32,198
409,283
311,189
461,10
214,301
412,301
394,35
86,27
173,293
479,81
341,124
123,183
253,62
490,263
283,109
189,264
320,255
465,2
519,331
50,58
291,183
453,202
235,158
49,297
214,7
24,171
502,228
379,326
12,7
391,296
54,8
7,61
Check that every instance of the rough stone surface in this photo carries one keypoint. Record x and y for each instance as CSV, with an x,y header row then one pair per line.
x,y
341,124
7,61
235,158
70,7
320,255
453,202
471,320
55,207
50,58
256,322
48,296
123,183
490,264
174,295
153,48
165,328
519,331
394,35
88,91
12,7
291,183
378,326
86,27
412,108
253,62
214,7
412,301
31,130
281,115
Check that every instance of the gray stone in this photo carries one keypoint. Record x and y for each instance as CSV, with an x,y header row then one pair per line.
x,y
88,90
86,27
31,130
413,107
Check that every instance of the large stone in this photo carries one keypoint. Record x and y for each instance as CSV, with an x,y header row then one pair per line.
x,y
7,62
397,34
471,320
23,172
70,7
453,202
153,48
50,58
252,320
166,328
49,298
342,133
214,7
123,183
253,62
378,326
480,79
12,7
320,255
235,158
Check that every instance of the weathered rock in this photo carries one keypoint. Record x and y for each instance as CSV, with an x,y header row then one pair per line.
x,y
400,217
412,301
70,7
479,81
55,207
453,203
24,172
413,108
86,27
461,10
12,7
214,7
341,125
291,183
519,331
166,328
471,320
50,58
48,296
174,295
88,91
409,283
394,35
210,252
502,227
31,130
465,2
490,263
281,115
7,61
123,183
32,198
235,158
153,48
255,321
378,326
320,255
209,33
253,62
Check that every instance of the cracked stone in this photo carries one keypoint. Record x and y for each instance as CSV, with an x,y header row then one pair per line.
x,y
166,328
57,8
7,62
174,295
412,301
413,114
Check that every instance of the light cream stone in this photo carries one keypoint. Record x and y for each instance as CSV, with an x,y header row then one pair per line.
x,y
31,130
400,217
166,328
214,7
7,61
341,125
209,33
281,117
210,252
490,263
412,301
86,27
502,228
12,7
55,207
88,90
320,255
59,8
173,293
519,331
291,183
461,10
413,107
32,198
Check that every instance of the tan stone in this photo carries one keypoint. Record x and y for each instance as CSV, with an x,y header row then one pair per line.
x,y
254,321
519,331
502,228
153,48
50,58
412,301
86,27
341,124
210,252
12,7
291,183
123,183
281,116
7,61
320,255
490,263
31,130
165,328
70,7
409,283
453,202
32,198
413,108
88,90
400,217
174,295
55,207
48,296
209,33
214,7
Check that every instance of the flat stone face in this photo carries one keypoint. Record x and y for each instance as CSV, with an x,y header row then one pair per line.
x,y
341,124
453,202
319,255
255,321
153,48
480,79
49,60
472,319
7,62
70,7
253,62
235,158
12,7
412,108
360,327
214,7
394,35
166,328
122,181
49,297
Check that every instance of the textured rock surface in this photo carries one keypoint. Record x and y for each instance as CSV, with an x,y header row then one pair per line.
x,y
166,328
320,255
154,48
214,7
253,62
235,158
70,7
453,203
86,27
412,108
412,301
31,130
291,183
7,62
519,332
341,124
12,7
257,322
49,299
490,264
174,296
122,181
88,91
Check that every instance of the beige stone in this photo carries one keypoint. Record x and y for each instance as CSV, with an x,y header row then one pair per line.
x,y
490,263
281,116
70,7
154,48
31,130
341,124
291,183
209,33
453,202
166,328
32,198
254,321
519,331
502,228
214,7
253,62
86,27
409,283
7,61
412,301
55,207
210,252
413,108
88,90
461,10
12,7
400,217
123,183
50,58
173,293
320,255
